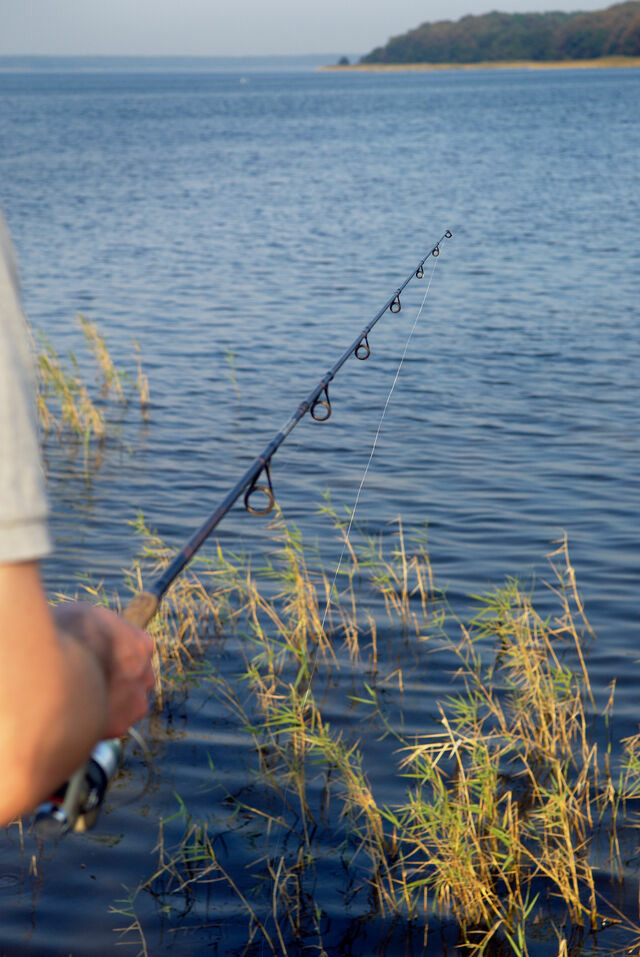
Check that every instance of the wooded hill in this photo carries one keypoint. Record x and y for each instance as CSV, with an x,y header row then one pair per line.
x,y
518,36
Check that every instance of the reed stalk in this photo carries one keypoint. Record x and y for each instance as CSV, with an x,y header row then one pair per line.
x,y
112,379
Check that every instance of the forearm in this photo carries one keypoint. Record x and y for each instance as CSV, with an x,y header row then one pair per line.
x,y
67,678
53,694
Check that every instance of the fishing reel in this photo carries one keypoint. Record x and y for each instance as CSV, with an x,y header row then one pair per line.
x,y
76,804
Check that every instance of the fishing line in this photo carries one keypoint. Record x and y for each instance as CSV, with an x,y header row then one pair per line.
x,y
347,541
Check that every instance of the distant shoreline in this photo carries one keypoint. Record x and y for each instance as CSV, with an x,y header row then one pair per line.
x,y
41,63
600,63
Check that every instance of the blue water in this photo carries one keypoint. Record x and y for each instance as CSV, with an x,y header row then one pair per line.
x,y
272,214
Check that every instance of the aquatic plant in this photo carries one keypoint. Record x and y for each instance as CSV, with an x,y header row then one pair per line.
x,y
66,405
508,803
232,376
112,379
142,381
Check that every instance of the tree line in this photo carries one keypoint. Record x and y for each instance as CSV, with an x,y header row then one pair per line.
x,y
518,36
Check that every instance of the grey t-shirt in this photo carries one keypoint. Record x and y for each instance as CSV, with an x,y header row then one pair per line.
x,y
23,504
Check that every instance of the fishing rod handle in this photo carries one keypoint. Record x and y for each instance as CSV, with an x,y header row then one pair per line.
x,y
141,609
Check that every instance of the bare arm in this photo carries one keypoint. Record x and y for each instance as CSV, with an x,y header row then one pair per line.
x,y
68,678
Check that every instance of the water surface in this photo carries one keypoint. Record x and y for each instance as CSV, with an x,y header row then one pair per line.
x,y
271,214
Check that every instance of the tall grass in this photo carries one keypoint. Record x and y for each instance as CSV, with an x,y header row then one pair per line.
x,y
499,813
72,405
112,378
64,403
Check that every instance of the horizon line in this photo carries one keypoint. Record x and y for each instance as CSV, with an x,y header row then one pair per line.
x,y
167,56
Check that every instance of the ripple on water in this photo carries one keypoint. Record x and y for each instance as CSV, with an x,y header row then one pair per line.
x,y
201,215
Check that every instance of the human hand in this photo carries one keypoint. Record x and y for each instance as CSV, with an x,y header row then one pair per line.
x,y
124,654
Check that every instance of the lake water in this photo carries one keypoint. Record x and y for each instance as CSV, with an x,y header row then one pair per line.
x,y
270,215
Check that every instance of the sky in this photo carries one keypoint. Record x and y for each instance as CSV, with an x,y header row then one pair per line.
x,y
231,27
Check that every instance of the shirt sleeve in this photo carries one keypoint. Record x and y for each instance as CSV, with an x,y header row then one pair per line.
x,y
23,505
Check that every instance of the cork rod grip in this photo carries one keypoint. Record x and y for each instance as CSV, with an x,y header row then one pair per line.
x,y
141,609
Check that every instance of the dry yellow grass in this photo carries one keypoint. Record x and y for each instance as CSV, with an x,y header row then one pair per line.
x,y
70,405
496,813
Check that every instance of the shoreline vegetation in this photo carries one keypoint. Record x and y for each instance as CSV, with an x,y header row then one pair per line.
x,y
594,64
552,39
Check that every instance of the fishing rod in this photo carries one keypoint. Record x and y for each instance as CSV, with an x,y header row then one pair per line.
x,y
77,804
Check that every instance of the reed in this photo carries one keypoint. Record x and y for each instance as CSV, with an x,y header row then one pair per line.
x,y
232,375
69,407
142,381
505,802
112,379
64,404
